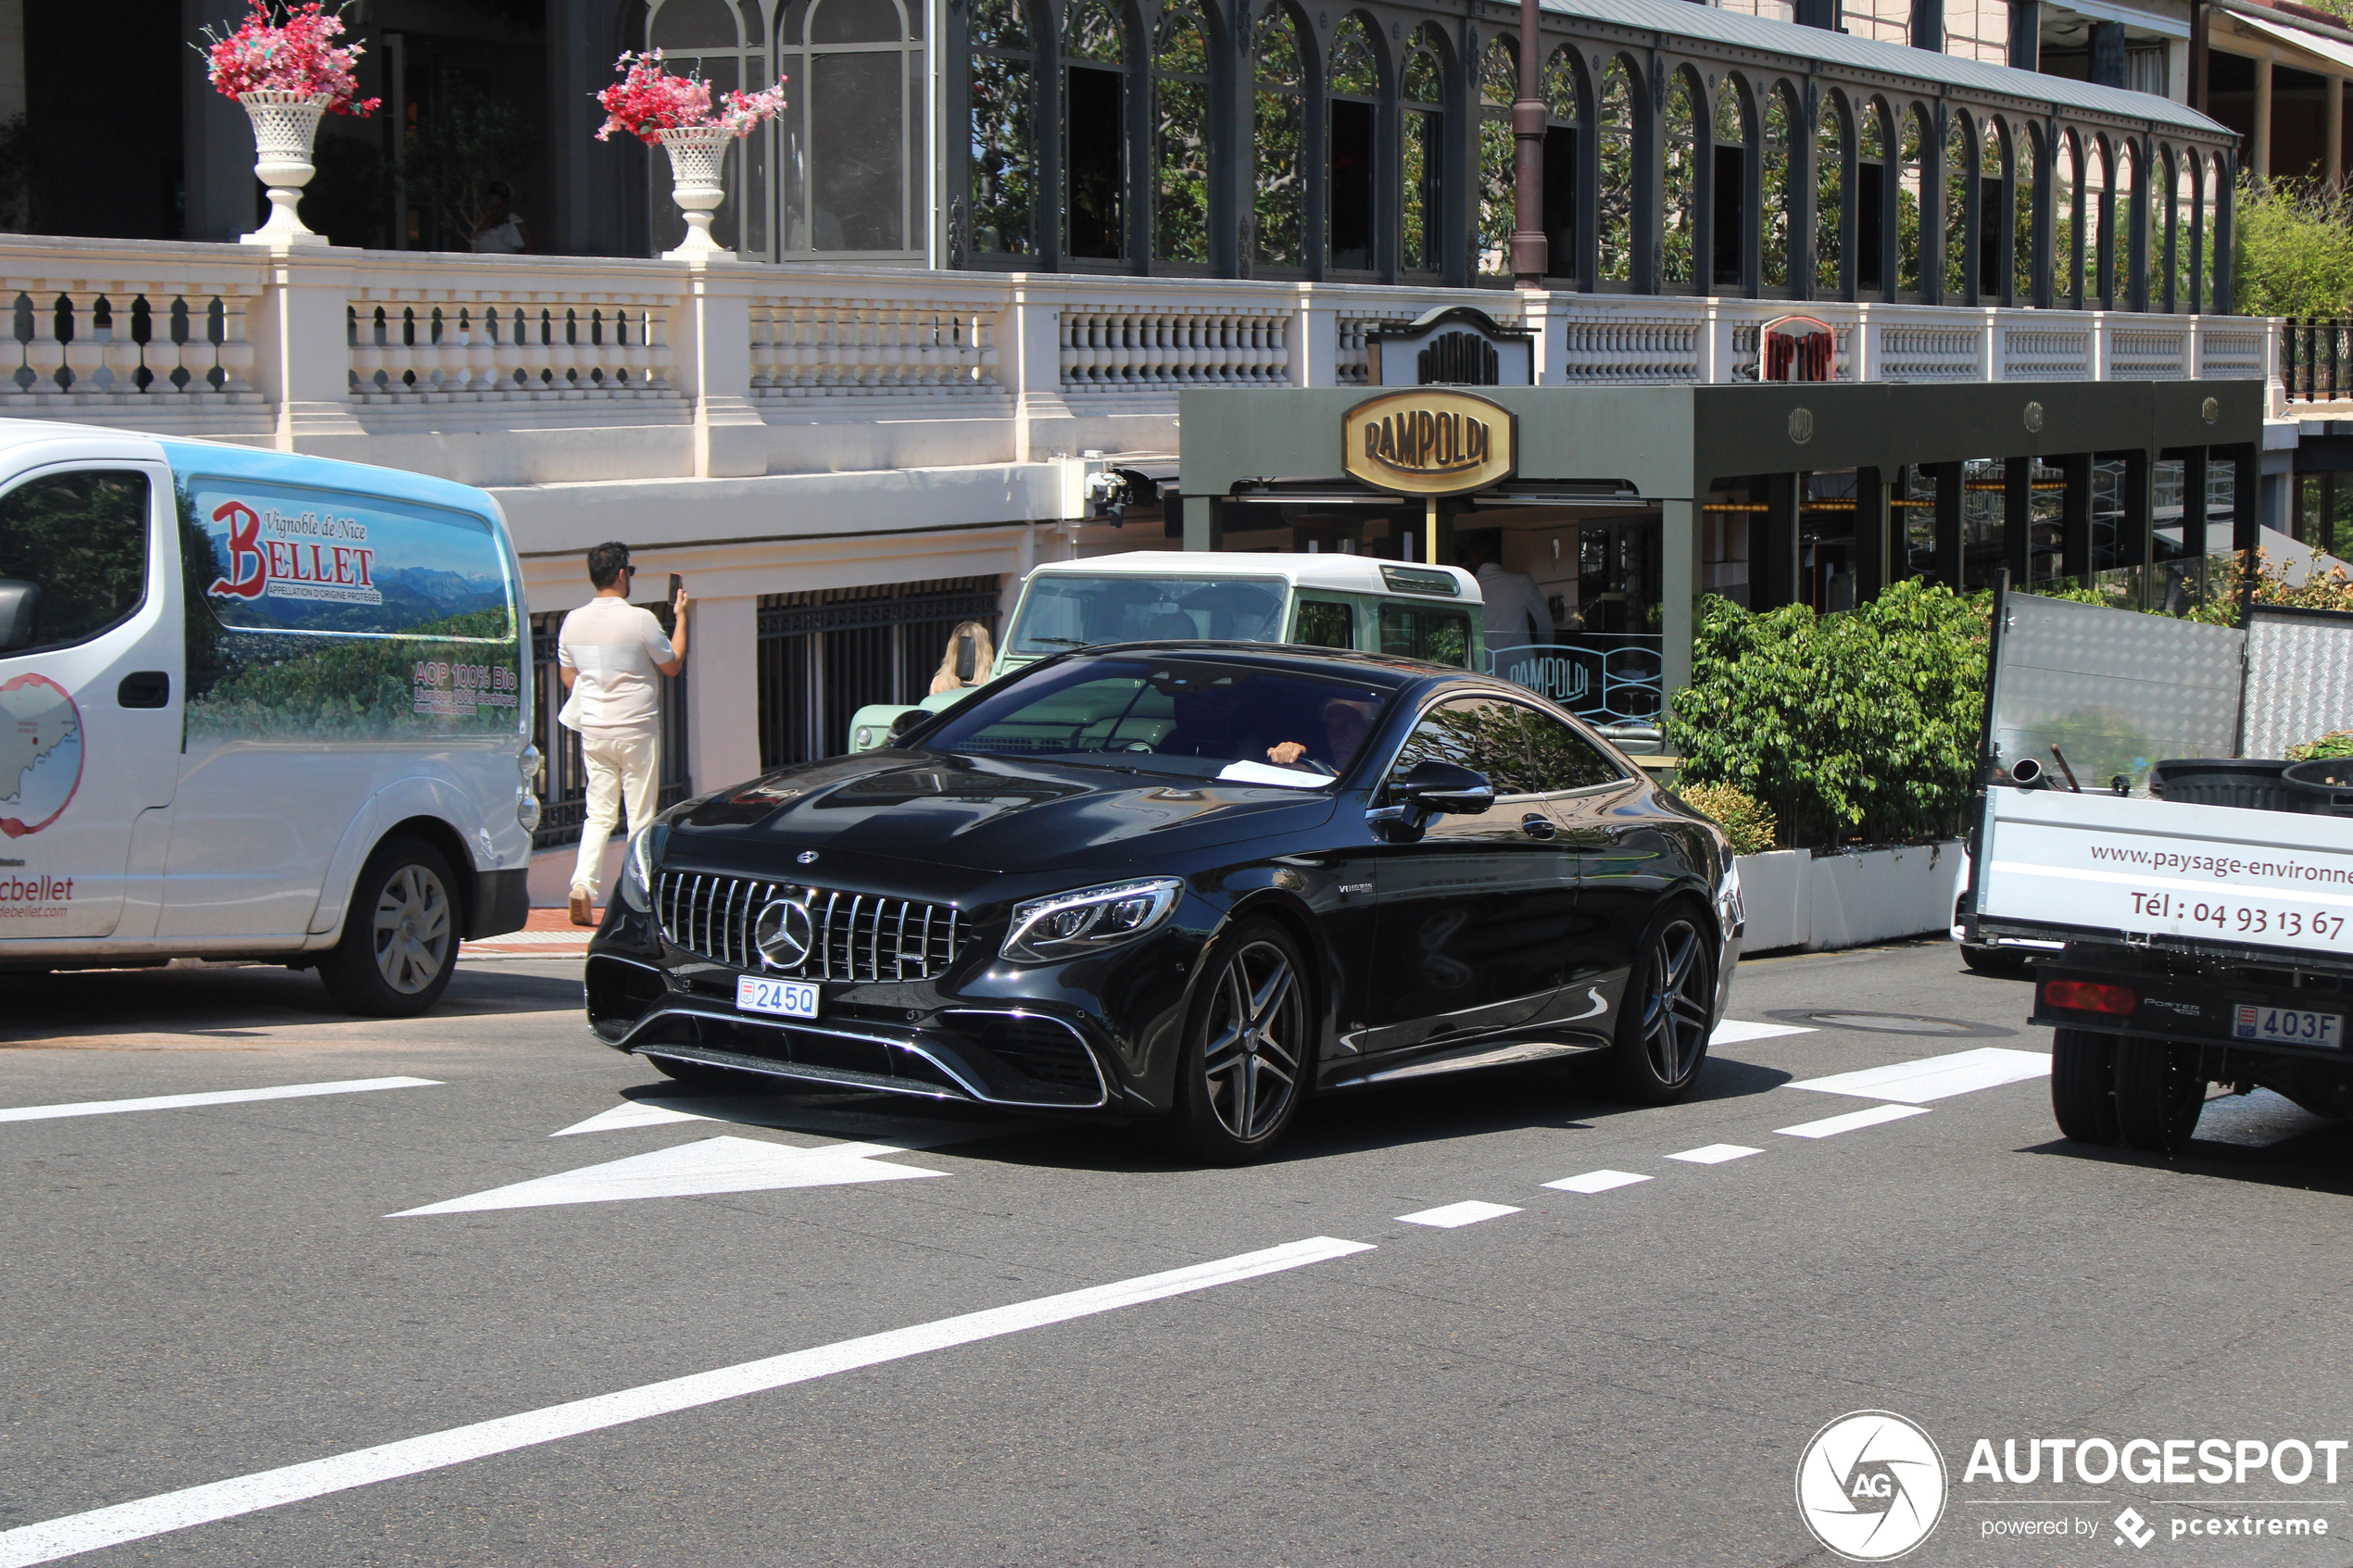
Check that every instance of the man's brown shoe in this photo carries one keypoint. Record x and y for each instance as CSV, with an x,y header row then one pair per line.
x,y
584,912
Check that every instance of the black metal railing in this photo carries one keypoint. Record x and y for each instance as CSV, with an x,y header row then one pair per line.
x,y
826,653
2316,359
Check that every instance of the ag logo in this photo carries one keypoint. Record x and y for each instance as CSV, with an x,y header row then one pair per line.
x,y
1870,1486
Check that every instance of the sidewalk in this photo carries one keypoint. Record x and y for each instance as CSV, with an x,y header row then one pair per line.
x,y
549,933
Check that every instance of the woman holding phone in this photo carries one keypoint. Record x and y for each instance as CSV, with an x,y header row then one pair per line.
x,y
967,659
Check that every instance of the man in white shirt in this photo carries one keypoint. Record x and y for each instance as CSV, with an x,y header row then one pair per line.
x,y
611,653
1515,610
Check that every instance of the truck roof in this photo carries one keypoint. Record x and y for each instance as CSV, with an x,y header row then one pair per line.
x,y
1344,574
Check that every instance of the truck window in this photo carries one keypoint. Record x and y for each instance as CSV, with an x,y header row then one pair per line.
x,y
1323,624
81,539
1442,636
1064,611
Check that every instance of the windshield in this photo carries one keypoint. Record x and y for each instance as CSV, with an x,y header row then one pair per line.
x,y
1197,718
1065,612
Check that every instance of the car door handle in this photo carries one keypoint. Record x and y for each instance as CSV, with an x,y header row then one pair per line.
x,y
144,689
1537,825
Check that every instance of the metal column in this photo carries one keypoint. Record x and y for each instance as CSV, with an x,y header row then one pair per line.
x,y
1678,590
1872,571
2017,521
2075,518
1773,545
1949,543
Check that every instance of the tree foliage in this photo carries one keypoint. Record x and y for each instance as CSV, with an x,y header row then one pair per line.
x,y
2294,249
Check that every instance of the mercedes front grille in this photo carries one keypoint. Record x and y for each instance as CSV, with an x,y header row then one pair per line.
x,y
851,937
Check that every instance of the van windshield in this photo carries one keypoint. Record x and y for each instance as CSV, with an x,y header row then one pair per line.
x,y
1065,612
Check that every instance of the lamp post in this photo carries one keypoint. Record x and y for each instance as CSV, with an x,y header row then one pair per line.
x,y
1528,258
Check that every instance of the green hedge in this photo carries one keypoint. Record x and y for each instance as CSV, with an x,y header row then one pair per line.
x,y
1860,726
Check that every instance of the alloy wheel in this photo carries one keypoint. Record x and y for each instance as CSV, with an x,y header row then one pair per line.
x,y
412,930
1677,1006
1257,1030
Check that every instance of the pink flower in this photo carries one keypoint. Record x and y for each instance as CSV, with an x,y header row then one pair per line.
x,y
648,101
297,55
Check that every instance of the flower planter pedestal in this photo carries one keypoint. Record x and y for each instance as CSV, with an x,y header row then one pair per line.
x,y
285,125
695,156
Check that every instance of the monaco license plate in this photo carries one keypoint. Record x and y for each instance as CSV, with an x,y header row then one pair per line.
x,y
2288,1027
785,999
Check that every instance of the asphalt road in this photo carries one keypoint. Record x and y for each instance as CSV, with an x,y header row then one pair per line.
x,y
200,1293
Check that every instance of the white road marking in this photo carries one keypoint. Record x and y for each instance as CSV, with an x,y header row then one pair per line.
x,y
1870,1116
1936,1077
1715,1154
1596,1181
219,1096
78,1533
631,1113
1732,1031
713,1165
1450,1216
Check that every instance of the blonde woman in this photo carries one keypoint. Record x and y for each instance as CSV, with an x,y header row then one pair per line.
x,y
970,653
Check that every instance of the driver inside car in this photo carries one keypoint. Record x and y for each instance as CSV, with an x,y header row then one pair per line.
x,y
1346,723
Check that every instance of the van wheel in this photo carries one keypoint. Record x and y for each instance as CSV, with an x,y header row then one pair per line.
x,y
399,944
2158,1094
2084,1084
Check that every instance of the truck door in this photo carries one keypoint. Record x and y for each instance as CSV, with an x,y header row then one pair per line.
x,y
90,694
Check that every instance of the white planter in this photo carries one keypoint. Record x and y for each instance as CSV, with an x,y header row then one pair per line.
x,y
697,154
285,125
1795,899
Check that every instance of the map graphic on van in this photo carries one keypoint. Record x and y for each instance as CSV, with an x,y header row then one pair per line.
x,y
40,753
287,560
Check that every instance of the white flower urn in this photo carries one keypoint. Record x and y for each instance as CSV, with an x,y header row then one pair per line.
x,y
285,125
696,154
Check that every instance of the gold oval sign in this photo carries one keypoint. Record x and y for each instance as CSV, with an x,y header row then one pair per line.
x,y
1430,440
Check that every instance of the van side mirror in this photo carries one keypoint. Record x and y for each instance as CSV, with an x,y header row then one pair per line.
x,y
1443,786
906,721
19,613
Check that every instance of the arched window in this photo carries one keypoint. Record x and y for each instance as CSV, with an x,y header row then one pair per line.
x,y
1094,132
2131,289
1181,137
1423,90
2023,175
2201,224
1564,114
1728,232
1002,159
2169,197
1871,199
2100,222
1909,151
1614,202
1829,196
1992,166
720,41
1781,120
1279,209
1679,193
1349,139
1960,159
1498,86
2067,222
850,126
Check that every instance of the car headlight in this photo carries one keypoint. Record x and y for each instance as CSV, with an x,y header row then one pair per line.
x,y
863,738
637,866
1070,924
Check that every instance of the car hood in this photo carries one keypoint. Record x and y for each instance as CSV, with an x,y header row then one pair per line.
x,y
976,813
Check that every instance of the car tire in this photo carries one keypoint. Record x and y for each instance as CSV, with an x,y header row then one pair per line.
x,y
2158,1094
1982,959
2084,1084
1248,1051
399,944
1669,1010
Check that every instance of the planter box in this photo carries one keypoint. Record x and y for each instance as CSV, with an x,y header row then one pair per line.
x,y
1796,899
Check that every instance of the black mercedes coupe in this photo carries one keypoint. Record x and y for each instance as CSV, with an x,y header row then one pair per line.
x,y
1194,880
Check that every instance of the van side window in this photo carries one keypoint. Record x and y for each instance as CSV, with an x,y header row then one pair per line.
x,y
1442,636
1561,760
1323,624
81,539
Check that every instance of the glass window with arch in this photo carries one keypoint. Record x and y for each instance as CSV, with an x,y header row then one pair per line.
x,y
1351,217
2028,149
1095,71
1679,194
1180,136
1278,216
2169,190
1830,195
721,41
848,135
1917,139
1423,87
1002,157
1614,200
1498,209
1993,166
1564,117
1782,122
1871,260
2067,224
2099,217
1958,148
2131,226
1728,208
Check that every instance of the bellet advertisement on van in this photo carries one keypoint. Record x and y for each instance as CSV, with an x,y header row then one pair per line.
x,y
256,706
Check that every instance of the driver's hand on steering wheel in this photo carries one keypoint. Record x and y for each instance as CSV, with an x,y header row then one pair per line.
x,y
1285,753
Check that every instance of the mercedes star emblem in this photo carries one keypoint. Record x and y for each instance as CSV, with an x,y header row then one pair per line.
x,y
783,934
807,857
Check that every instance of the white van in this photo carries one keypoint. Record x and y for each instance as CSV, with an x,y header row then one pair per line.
x,y
256,706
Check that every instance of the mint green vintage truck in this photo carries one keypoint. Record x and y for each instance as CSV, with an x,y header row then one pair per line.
x,y
1334,601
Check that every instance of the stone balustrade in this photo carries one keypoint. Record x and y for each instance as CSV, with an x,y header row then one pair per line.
x,y
506,370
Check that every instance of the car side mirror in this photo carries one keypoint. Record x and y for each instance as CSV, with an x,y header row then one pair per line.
x,y
19,613
1443,786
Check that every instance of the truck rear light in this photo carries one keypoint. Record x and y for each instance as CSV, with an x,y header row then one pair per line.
x,y
2086,995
